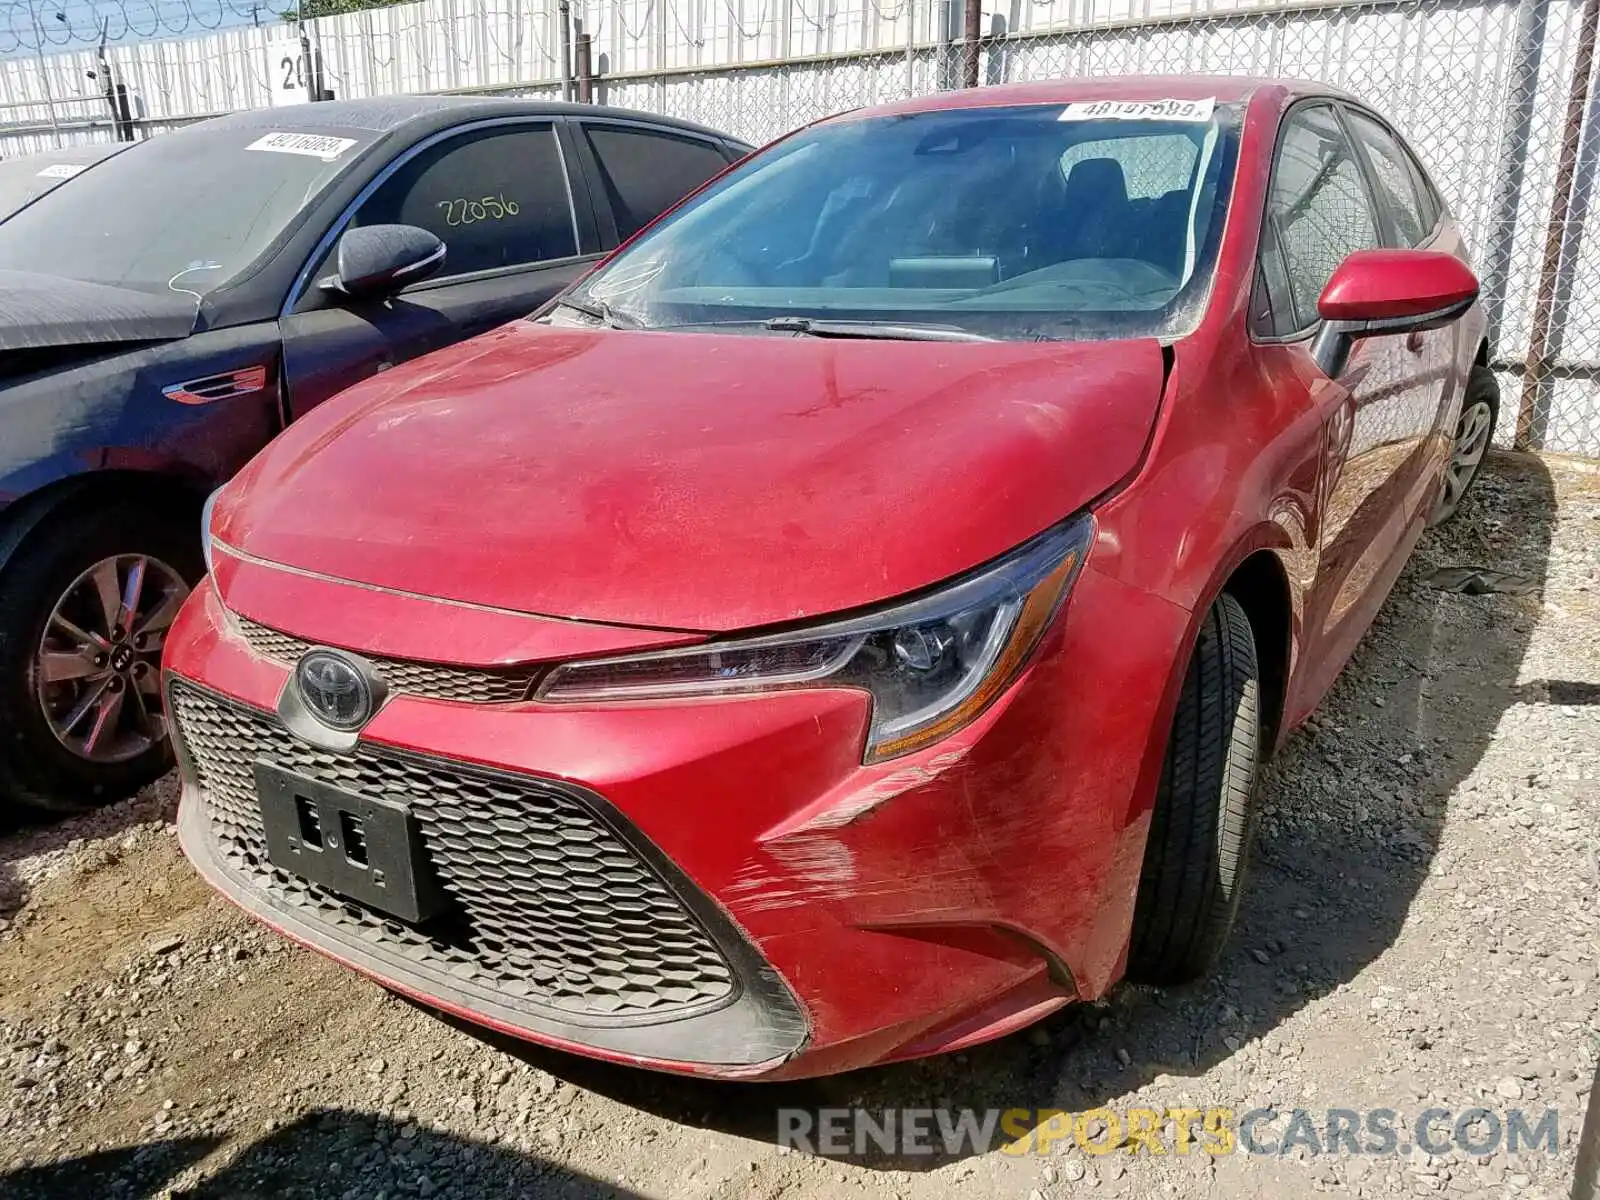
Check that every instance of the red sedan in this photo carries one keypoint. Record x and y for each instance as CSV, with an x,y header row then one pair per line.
x,y
847,626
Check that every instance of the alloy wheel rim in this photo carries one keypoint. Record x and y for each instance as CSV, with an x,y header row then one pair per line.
x,y
1472,442
97,673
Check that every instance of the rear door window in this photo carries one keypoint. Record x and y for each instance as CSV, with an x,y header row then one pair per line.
x,y
1395,179
644,172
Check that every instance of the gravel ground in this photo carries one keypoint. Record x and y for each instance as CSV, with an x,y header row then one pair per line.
x,y
1420,931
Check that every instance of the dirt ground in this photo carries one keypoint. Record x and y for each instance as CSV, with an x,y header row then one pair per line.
x,y
1422,930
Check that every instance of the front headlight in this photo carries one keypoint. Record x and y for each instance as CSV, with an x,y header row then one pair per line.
x,y
931,665
205,527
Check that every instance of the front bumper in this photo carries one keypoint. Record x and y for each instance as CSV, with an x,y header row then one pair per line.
x,y
858,914
569,924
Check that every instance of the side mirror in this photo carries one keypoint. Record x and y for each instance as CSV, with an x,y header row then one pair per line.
x,y
1377,292
375,260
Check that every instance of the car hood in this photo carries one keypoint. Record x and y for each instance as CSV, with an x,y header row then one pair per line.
x,y
693,481
41,311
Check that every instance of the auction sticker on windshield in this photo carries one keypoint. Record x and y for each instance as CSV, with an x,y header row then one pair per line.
x,y
313,145
61,171
1198,111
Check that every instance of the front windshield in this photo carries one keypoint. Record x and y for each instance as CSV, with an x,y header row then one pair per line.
x,y
1020,223
184,212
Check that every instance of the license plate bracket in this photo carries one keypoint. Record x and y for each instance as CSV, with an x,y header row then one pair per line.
x,y
366,848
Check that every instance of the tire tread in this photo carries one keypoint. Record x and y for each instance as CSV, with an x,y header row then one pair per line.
x,y
1198,842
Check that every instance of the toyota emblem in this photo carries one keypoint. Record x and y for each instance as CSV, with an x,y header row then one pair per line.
x,y
334,689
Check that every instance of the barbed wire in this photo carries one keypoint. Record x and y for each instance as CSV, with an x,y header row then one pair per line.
x,y
644,22
37,27
515,54
733,16
672,10
894,16
40,26
822,21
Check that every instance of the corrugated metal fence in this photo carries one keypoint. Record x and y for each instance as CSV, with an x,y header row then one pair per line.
x,y
1496,96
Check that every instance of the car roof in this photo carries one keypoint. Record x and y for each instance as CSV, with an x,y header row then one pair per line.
x,y
381,115
1223,88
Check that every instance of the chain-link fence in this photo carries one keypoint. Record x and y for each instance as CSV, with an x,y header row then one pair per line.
x,y
1497,96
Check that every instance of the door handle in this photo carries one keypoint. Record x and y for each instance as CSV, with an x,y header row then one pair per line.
x,y
1414,341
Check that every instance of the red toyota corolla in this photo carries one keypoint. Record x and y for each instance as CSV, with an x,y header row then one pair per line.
x,y
848,625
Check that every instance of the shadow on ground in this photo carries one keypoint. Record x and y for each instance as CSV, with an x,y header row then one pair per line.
x,y
1417,707
320,1155
124,1171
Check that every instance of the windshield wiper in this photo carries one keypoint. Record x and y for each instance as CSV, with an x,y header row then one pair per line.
x,y
602,312
812,327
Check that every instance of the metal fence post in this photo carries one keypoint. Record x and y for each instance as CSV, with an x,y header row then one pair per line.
x,y
44,73
1544,298
1569,266
564,11
911,43
1586,1178
969,44
115,94
1533,18
945,73
585,68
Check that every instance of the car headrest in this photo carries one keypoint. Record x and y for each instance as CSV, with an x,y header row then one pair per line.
x,y
1097,181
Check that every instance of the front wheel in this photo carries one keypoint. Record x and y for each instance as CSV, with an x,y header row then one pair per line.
x,y
85,605
1200,831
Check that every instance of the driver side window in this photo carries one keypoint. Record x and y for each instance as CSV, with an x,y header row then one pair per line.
x,y
496,197
1318,212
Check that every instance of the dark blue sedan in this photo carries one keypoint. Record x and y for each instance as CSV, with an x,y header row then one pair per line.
x,y
166,311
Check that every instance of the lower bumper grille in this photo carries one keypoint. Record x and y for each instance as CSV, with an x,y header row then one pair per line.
x,y
553,910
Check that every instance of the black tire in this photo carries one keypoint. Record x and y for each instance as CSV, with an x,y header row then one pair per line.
x,y
1481,389
1194,861
36,771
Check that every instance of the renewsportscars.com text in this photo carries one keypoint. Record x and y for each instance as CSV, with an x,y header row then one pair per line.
x,y
844,1132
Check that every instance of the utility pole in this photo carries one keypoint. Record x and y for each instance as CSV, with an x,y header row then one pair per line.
x,y
564,9
969,50
583,51
313,77
107,87
911,44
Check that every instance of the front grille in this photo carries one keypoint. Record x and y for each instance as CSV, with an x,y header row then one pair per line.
x,y
553,910
475,685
